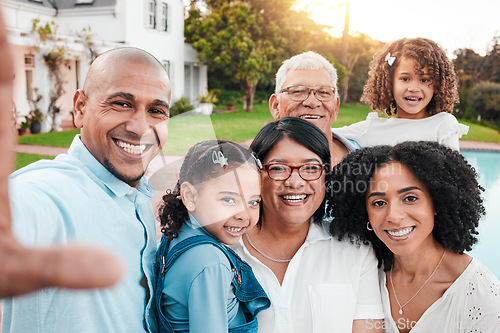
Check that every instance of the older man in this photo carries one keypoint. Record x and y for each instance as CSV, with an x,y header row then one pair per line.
x,y
306,87
96,194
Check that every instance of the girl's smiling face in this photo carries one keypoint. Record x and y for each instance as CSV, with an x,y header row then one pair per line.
x,y
226,206
400,209
412,90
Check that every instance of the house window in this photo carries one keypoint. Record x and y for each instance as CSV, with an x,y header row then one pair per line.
x,y
163,17
29,61
166,64
29,65
29,84
152,14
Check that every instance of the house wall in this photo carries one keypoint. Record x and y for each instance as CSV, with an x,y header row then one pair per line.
x,y
164,45
125,24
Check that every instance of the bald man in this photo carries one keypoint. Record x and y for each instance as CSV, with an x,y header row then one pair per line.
x,y
97,194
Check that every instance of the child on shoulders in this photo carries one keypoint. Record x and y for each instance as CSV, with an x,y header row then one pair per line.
x,y
414,81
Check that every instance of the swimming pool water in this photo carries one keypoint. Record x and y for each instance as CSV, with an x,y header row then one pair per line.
x,y
487,250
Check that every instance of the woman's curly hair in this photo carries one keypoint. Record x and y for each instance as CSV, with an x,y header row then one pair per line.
x,y
379,87
450,180
198,166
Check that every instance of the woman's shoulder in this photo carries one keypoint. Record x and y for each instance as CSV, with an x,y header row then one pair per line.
x,y
479,274
481,291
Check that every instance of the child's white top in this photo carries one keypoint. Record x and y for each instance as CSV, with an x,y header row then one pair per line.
x,y
441,127
470,304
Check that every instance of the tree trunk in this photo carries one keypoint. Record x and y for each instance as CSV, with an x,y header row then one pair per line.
x,y
345,90
249,90
345,53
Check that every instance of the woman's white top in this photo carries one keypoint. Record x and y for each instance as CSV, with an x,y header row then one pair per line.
x,y
328,284
441,127
471,304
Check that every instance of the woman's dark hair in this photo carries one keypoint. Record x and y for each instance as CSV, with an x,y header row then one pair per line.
x,y
450,180
379,87
302,132
200,165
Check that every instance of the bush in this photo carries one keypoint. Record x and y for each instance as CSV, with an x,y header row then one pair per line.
x,y
485,100
211,96
231,95
180,106
262,96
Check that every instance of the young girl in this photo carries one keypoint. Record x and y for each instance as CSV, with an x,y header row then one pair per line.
x,y
202,285
413,80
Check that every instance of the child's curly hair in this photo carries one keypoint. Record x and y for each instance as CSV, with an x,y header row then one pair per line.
x,y
379,87
198,167
450,180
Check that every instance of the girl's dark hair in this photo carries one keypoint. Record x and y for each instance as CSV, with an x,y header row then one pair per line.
x,y
379,86
200,165
302,132
450,180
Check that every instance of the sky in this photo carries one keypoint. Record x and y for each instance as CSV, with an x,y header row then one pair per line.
x,y
453,24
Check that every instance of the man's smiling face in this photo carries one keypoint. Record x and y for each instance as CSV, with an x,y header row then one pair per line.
x,y
321,114
123,118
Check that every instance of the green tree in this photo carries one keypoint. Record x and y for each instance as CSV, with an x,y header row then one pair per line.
x,y
469,66
492,62
231,39
247,39
485,100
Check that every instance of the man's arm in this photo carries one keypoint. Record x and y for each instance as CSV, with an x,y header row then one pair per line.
x,y
25,270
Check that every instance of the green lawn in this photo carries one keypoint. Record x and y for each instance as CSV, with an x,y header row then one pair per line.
x,y
23,159
238,126
54,139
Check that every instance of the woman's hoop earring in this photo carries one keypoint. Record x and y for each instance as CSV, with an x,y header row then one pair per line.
x,y
368,226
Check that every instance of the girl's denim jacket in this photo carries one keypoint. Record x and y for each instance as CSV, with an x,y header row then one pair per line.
x,y
248,291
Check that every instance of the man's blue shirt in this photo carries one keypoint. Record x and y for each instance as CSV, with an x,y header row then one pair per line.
x,y
74,198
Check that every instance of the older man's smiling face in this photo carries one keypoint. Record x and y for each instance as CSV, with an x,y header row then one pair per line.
x,y
321,114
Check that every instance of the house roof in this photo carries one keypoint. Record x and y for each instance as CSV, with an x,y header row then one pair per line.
x,y
68,4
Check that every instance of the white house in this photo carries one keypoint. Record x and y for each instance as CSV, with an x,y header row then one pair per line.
x,y
156,26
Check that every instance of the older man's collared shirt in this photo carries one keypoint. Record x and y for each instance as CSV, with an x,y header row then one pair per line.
x,y
76,199
327,285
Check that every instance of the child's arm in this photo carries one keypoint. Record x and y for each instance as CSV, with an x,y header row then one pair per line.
x,y
208,300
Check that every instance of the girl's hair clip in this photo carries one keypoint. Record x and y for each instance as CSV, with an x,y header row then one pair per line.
x,y
257,161
390,60
218,158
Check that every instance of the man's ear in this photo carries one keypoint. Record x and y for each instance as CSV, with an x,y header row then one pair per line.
x,y
273,106
79,103
188,196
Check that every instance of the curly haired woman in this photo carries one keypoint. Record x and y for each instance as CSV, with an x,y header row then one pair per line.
x,y
414,81
419,204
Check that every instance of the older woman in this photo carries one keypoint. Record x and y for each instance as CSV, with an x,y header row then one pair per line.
x,y
315,283
419,204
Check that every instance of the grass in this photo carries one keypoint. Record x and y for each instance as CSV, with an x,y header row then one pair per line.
x,y
184,131
237,126
54,139
23,159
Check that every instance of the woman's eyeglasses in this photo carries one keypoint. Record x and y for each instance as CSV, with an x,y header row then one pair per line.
x,y
280,171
